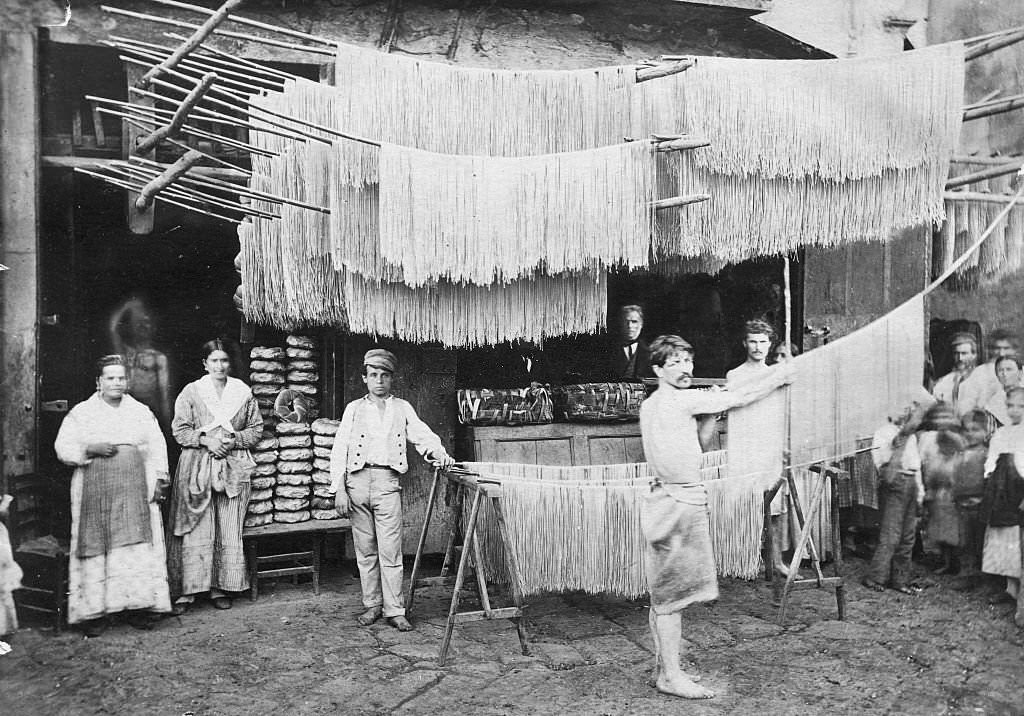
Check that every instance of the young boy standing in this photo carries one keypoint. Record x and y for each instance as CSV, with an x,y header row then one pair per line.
x,y
678,559
367,461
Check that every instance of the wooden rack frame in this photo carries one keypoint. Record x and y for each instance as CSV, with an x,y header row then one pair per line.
x,y
828,474
469,549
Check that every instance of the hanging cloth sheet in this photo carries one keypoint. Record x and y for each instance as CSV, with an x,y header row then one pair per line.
x,y
458,110
843,390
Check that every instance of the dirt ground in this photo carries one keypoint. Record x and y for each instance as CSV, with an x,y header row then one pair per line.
x,y
944,651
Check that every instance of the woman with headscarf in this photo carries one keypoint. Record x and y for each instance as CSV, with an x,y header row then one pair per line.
x,y
216,421
117,558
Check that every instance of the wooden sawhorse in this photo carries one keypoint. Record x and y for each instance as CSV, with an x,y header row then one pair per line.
x,y
307,562
462,483
827,478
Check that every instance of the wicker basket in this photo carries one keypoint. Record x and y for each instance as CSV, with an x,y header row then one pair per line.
x,y
600,402
505,406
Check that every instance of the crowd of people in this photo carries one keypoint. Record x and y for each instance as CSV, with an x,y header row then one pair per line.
x,y
949,468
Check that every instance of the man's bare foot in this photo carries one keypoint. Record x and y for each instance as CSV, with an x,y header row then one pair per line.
x,y
400,623
653,681
370,616
684,688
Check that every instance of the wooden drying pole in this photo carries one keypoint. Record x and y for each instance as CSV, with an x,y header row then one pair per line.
x,y
223,33
991,107
983,174
172,129
980,196
168,177
202,32
994,42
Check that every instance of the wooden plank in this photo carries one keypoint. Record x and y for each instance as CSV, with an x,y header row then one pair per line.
x,y
284,572
517,451
503,613
634,449
606,450
270,558
281,528
554,452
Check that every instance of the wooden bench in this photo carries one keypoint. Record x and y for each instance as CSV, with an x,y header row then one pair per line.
x,y
307,562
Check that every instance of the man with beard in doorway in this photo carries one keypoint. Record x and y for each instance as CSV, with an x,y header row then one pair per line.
x,y
963,387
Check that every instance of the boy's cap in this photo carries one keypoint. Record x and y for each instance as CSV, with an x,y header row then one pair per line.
x,y
380,358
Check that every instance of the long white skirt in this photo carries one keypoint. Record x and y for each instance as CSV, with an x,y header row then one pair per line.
x,y
1001,554
132,577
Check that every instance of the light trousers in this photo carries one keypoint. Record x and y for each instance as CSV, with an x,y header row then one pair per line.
x,y
376,515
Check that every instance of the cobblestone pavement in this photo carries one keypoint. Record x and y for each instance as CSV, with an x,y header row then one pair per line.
x,y
943,651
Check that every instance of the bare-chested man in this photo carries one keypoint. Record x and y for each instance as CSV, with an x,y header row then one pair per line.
x,y
678,559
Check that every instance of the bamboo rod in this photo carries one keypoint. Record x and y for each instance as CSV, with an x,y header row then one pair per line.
x,y
999,106
990,35
249,108
146,175
202,32
187,65
192,131
980,196
683,143
652,73
983,174
247,191
989,46
135,188
302,136
236,61
221,67
675,201
991,95
967,159
221,118
223,33
180,115
211,157
251,23
986,102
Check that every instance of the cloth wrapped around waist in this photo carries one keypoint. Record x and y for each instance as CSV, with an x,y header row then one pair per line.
x,y
115,503
211,474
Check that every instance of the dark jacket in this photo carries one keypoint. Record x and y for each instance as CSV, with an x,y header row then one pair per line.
x,y
1004,493
624,369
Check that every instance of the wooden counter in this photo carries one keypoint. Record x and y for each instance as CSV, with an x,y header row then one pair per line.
x,y
558,443
553,444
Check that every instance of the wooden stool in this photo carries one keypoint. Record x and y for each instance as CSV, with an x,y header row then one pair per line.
x,y
306,562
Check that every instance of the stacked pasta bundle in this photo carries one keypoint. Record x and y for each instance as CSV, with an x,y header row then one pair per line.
x,y
266,376
294,472
303,374
261,504
322,503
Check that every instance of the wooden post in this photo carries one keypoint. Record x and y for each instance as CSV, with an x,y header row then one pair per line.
x,y
140,221
19,247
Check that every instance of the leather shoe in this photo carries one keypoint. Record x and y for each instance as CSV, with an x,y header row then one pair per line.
x,y
222,602
179,608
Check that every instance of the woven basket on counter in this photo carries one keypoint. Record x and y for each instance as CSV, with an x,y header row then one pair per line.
x,y
505,406
600,402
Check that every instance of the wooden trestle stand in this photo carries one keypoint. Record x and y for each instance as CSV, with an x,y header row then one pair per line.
x,y
470,557
827,475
